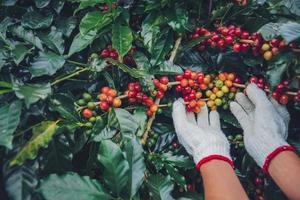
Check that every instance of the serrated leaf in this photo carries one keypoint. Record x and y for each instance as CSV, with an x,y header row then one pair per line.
x,y
46,64
121,39
94,20
72,186
27,35
54,40
135,157
115,166
9,120
63,104
160,187
42,135
123,121
35,20
290,31
82,41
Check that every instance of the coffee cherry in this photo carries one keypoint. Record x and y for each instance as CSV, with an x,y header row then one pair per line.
x,y
218,102
193,103
275,95
184,82
105,89
258,181
228,39
190,187
220,93
91,105
284,99
164,80
87,113
275,51
117,103
237,80
160,94
114,55
275,42
178,77
253,79
104,105
153,108
265,47
110,99
187,73
88,125
104,53
219,83
268,55
87,97
237,48
225,89
178,88
81,102
137,87
156,83
245,35
213,96
112,93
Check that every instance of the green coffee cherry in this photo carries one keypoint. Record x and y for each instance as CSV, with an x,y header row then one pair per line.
x,y
219,83
81,102
87,97
239,137
92,119
89,124
230,137
91,105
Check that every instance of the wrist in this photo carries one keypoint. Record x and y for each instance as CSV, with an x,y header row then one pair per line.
x,y
210,158
275,153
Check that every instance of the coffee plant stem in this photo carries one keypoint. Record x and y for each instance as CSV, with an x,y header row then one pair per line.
x,y
69,76
174,51
77,63
246,41
149,124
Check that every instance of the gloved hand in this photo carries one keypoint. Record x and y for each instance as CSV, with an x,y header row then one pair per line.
x,y
265,124
203,139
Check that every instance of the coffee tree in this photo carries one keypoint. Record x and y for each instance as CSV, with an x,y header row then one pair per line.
x,y
87,88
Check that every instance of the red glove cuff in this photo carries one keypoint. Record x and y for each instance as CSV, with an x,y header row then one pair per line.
x,y
214,157
273,154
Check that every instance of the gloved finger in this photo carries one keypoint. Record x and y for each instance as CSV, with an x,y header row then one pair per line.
x,y
191,117
239,114
256,95
244,102
283,112
214,119
179,117
202,117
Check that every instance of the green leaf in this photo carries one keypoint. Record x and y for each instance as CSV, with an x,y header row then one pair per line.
x,y
54,40
72,186
35,20
270,30
94,20
135,157
66,25
88,3
162,48
168,68
178,160
123,121
290,31
116,168
160,187
178,19
19,53
27,35
121,39
31,93
175,175
140,117
58,158
2,58
42,135
293,6
230,119
46,64
131,71
9,120
82,41
42,3
63,104
8,2
20,181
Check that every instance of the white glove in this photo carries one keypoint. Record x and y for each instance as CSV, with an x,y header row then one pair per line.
x,y
203,139
265,124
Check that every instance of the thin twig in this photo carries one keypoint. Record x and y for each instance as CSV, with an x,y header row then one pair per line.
x,y
174,51
69,76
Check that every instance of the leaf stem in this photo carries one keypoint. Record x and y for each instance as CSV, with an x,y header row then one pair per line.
x,y
69,76
77,63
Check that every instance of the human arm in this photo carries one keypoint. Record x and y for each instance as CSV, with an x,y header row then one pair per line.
x,y
205,141
265,124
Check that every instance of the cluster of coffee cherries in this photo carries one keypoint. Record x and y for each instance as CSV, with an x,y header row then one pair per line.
x,y
109,52
89,109
108,98
197,87
240,41
135,95
236,140
161,85
260,82
258,184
